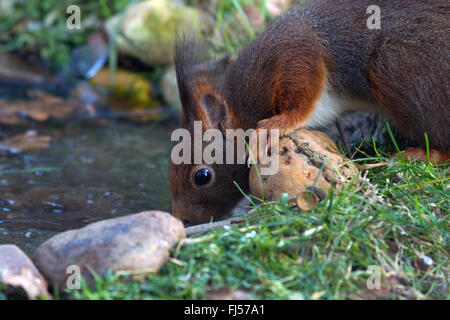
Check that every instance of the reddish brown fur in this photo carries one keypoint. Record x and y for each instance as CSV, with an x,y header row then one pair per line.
x,y
294,97
277,80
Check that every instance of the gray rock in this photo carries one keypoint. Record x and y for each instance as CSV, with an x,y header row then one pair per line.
x,y
17,270
86,60
169,88
310,164
137,244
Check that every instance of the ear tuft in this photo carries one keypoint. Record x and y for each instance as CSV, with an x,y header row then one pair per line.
x,y
214,107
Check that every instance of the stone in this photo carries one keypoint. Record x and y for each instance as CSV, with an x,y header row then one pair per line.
x,y
137,244
131,94
17,270
310,164
149,28
169,88
86,60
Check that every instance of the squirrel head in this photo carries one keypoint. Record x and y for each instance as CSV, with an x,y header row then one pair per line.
x,y
204,191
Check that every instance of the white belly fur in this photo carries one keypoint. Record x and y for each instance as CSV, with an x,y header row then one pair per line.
x,y
331,105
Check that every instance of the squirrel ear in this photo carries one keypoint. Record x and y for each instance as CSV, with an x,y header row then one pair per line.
x,y
214,108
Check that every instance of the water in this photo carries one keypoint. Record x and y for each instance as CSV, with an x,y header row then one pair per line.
x,y
92,171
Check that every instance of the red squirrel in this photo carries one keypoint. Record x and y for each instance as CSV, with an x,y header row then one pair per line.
x,y
307,67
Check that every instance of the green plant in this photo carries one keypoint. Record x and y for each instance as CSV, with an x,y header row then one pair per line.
x,y
39,27
399,215
233,27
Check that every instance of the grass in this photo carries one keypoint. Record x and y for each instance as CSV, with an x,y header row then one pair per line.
x,y
16,171
233,29
397,217
39,27
2,294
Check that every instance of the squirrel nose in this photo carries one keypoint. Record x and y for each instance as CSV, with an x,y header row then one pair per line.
x,y
179,212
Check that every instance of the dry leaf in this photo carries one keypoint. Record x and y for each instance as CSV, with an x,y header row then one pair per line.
x,y
41,107
30,140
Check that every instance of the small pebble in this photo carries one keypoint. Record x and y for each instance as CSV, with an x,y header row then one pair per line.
x,y
424,263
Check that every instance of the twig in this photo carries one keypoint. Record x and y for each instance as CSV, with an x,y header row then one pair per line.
x,y
343,138
206,227
202,228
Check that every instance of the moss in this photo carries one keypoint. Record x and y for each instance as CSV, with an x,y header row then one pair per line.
x,y
149,29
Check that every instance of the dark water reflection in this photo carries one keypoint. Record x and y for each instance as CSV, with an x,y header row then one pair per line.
x,y
90,172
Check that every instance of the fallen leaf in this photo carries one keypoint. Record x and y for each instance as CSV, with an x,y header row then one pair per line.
x,y
30,140
40,107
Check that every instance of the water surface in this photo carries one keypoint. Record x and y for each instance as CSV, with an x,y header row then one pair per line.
x,y
93,170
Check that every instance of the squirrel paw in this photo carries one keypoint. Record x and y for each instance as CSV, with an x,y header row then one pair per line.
x,y
421,155
259,147
263,142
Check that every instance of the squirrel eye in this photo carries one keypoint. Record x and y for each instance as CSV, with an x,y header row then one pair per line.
x,y
203,176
